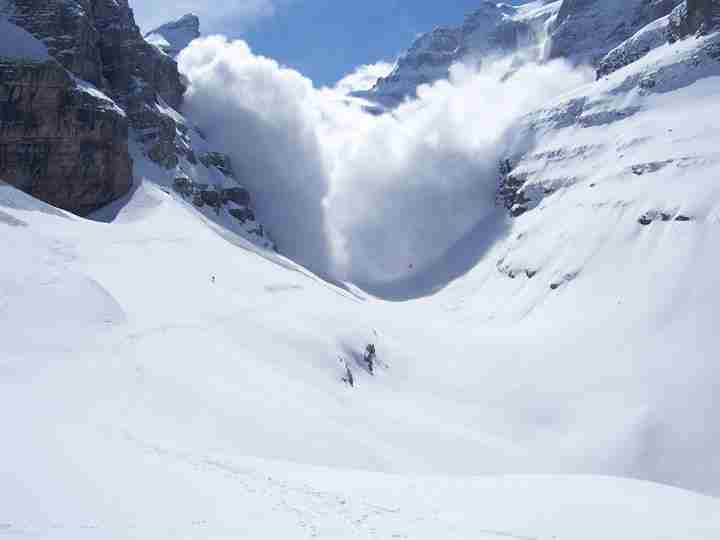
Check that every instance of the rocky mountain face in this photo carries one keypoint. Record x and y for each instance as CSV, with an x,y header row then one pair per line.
x,y
61,141
694,17
686,19
524,183
586,30
69,151
71,115
173,37
607,34
491,30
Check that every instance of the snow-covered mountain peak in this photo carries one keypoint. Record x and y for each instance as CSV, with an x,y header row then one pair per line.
x,y
174,36
489,10
492,29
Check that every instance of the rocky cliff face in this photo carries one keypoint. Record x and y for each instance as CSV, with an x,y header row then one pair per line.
x,y
686,19
694,17
608,34
80,87
68,31
586,30
96,41
60,140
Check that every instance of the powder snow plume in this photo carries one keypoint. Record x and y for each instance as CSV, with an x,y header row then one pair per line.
x,y
364,198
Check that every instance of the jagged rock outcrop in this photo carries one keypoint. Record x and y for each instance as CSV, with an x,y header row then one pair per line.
x,y
99,41
586,30
61,139
694,17
173,37
77,80
143,80
226,198
134,68
76,131
492,29
648,38
68,31
688,18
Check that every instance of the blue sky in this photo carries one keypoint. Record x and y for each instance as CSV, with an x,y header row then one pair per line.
x,y
324,39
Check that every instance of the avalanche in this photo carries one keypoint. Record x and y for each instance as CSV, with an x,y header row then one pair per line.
x,y
546,373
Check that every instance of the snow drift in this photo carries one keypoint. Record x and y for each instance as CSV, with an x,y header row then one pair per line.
x,y
355,196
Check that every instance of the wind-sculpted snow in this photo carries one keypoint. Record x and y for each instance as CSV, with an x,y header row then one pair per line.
x,y
360,197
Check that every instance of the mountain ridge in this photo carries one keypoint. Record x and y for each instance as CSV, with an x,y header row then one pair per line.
x,y
174,36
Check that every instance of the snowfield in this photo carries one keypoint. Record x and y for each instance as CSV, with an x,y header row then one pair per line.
x,y
550,376
140,400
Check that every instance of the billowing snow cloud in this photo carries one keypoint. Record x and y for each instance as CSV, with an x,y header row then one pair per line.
x,y
364,77
370,199
265,117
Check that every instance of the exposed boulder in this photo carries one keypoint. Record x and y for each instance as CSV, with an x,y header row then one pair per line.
x,y
211,197
515,192
237,195
652,216
220,161
243,215
183,185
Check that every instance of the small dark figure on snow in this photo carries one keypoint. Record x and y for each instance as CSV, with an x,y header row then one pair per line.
x,y
212,279
348,378
370,356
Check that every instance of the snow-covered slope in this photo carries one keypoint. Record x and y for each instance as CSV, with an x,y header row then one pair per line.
x,y
173,37
141,397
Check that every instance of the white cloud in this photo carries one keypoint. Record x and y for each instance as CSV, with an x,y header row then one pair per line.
x,y
364,77
367,199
